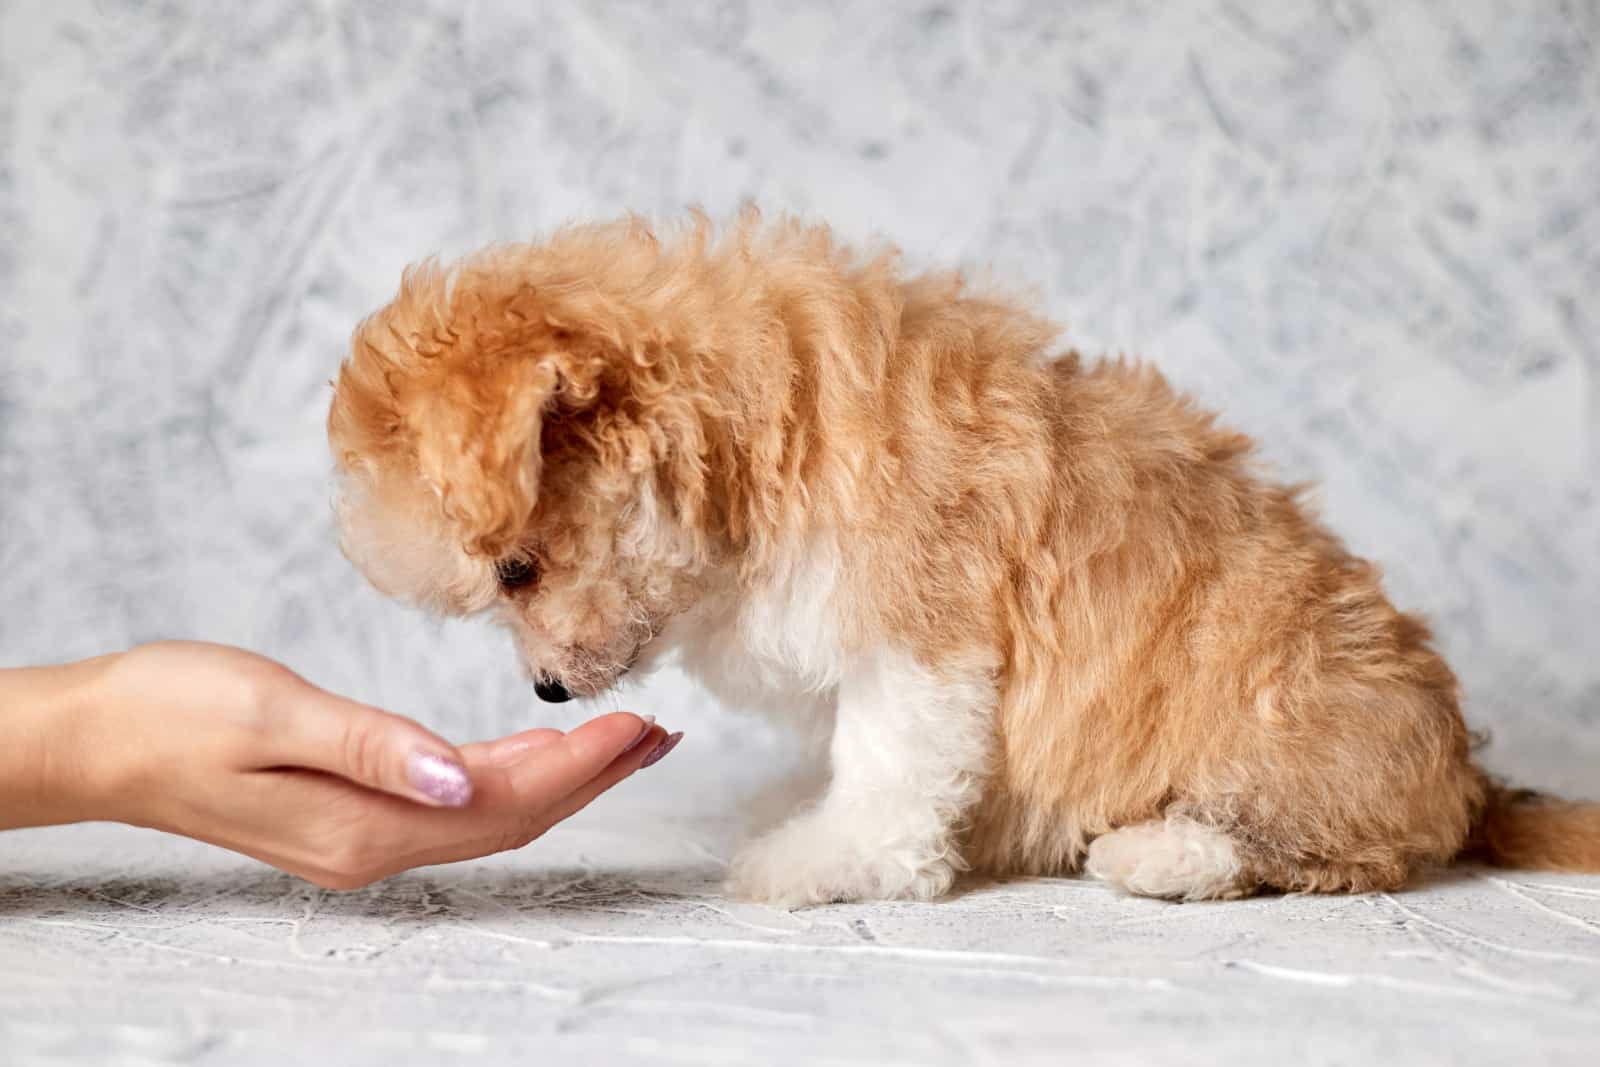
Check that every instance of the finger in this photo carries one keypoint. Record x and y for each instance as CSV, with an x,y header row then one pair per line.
x,y
550,772
654,746
647,748
505,751
524,827
504,817
318,730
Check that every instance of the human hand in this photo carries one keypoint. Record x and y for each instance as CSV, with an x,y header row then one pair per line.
x,y
230,748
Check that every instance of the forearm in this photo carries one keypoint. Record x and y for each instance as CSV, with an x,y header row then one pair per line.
x,y
45,745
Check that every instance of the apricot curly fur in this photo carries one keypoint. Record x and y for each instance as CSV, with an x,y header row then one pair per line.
x,y
1177,637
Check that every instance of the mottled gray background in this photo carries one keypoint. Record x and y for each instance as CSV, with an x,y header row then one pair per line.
x,y
1368,232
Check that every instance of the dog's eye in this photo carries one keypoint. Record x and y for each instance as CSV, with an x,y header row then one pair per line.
x,y
516,573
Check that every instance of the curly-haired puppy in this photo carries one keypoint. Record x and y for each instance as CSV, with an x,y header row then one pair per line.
x,y
1052,614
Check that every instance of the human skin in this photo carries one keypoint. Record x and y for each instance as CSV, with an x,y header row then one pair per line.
x,y
228,747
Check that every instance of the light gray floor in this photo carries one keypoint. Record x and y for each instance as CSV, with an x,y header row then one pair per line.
x,y
1369,233
610,943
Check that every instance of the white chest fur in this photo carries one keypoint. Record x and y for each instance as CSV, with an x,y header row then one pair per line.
x,y
908,745
779,646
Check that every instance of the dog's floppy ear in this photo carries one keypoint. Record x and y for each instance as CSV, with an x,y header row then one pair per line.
x,y
478,448
501,366
461,373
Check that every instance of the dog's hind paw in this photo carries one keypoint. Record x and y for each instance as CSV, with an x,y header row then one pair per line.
x,y
1177,859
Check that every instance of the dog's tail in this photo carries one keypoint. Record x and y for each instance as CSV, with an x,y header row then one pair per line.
x,y
1524,830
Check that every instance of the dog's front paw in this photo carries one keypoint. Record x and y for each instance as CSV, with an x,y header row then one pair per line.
x,y
808,861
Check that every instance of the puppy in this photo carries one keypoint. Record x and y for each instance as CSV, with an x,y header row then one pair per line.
x,y
1049,610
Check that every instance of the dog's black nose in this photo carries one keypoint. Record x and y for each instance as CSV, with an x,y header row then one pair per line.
x,y
551,691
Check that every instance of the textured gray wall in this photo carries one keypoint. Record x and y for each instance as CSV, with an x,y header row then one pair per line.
x,y
1369,233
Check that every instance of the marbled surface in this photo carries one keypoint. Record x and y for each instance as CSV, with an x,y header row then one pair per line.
x,y
1369,233
610,943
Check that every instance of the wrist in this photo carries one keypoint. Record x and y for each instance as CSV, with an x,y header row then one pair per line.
x,y
51,761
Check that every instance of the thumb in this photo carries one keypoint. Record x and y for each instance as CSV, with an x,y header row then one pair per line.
x,y
369,746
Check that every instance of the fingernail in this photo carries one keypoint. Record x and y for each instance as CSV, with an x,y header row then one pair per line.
x,y
440,779
644,732
667,744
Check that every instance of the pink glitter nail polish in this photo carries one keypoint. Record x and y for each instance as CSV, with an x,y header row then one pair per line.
x,y
667,744
440,779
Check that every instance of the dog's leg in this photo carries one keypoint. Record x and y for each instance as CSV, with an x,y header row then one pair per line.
x,y
908,755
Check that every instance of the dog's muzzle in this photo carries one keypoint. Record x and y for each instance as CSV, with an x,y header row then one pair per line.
x,y
551,691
